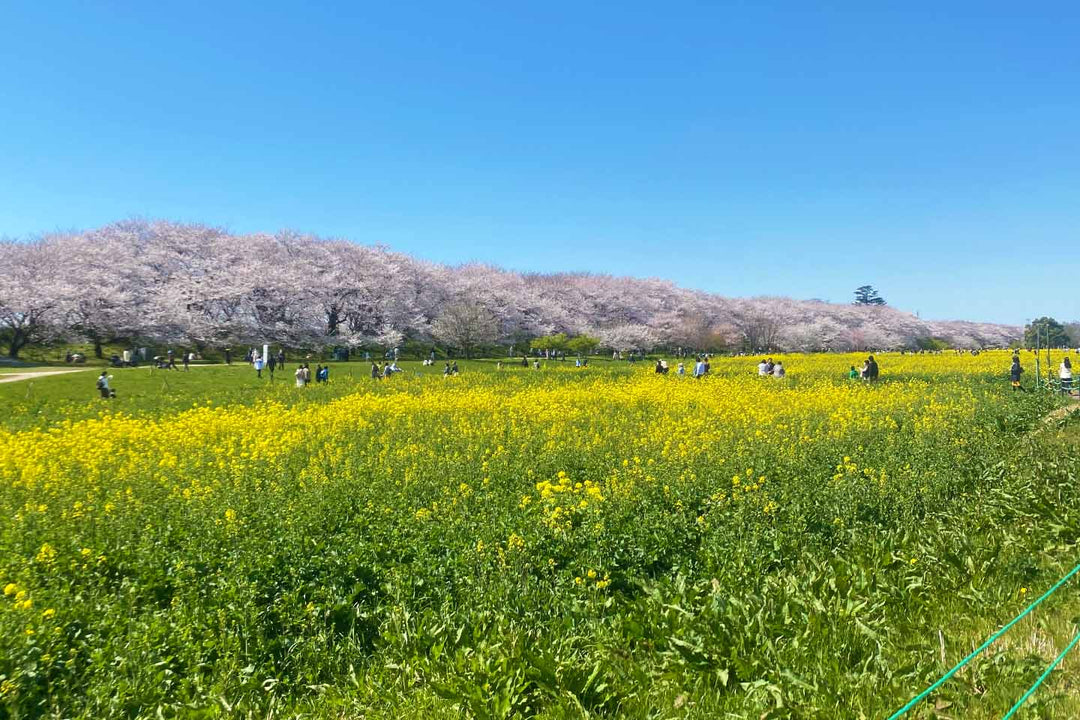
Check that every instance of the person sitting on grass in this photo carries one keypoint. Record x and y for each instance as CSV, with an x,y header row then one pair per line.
x,y
871,369
853,374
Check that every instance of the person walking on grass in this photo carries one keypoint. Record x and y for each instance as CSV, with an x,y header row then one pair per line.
x,y
300,381
271,364
103,385
446,370
187,361
1065,375
258,363
1014,374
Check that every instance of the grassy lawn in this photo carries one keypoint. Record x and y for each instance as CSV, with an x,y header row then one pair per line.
x,y
561,543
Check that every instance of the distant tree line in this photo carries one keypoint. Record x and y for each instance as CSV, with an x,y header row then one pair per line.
x,y
202,287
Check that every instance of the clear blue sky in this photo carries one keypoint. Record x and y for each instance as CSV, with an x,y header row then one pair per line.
x,y
932,149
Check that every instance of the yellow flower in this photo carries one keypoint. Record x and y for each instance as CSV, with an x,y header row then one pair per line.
x,y
48,614
46,555
11,589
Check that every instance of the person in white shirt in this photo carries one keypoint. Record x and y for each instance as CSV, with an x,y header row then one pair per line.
x,y
1065,375
778,369
763,368
699,369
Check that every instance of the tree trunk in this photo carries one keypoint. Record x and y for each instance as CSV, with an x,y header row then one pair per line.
x,y
17,343
97,348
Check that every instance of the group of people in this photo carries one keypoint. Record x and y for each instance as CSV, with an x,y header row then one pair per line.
x,y
868,371
771,369
387,370
303,374
1064,375
272,362
161,362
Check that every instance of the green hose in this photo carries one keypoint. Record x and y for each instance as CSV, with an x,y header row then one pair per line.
x,y
1033,688
989,641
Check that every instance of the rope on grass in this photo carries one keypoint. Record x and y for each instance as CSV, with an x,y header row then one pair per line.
x,y
1031,690
989,641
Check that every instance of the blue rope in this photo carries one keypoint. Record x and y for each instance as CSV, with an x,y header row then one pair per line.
x,y
1042,677
989,641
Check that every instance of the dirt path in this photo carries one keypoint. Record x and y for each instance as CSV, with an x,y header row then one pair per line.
x,y
15,377
1062,412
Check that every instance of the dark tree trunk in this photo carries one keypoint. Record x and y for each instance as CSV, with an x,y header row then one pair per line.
x,y
19,340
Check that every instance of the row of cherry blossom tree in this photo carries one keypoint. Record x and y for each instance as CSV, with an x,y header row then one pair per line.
x,y
163,282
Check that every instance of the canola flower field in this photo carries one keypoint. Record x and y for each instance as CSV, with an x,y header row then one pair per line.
x,y
514,543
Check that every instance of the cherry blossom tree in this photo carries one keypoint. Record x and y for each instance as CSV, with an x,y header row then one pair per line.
x,y
466,325
191,284
33,292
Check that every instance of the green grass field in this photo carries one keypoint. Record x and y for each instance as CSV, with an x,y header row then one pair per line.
x,y
519,543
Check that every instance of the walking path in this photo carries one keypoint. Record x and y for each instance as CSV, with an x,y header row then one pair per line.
x,y
1063,411
30,375
15,377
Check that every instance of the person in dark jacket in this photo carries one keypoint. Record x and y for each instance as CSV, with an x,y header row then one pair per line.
x,y
1014,373
871,369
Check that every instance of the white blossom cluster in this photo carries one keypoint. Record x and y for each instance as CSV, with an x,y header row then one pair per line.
x,y
165,282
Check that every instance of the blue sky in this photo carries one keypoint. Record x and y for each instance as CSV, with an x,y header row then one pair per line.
x,y
931,149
